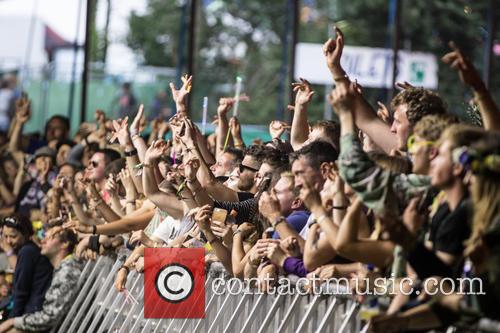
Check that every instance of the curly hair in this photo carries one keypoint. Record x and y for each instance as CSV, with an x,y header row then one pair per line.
x,y
420,102
432,126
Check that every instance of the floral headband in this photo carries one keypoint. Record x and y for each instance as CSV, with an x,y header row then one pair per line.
x,y
470,159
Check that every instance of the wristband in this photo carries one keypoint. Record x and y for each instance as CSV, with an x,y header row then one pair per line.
x,y
94,229
340,207
125,268
94,243
131,153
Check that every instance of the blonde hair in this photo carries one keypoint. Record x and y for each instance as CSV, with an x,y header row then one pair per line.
x,y
486,199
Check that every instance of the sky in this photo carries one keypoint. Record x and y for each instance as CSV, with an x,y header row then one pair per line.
x,y
61,15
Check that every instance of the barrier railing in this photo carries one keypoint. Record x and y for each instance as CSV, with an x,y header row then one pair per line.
x,y
99,308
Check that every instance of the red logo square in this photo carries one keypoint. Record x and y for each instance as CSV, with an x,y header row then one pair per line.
x,y
174,283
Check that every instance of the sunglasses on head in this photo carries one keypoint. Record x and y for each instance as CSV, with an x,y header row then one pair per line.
x,y
10,222
244,167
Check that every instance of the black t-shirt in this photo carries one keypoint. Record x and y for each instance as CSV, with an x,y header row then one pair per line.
x,y
449,229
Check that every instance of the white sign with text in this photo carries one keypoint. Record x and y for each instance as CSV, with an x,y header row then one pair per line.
x,y
372,67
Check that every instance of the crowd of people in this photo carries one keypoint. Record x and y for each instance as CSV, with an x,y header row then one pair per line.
x,y
408,192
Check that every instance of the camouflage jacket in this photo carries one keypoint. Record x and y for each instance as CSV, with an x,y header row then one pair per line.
x,y
381,190
57,298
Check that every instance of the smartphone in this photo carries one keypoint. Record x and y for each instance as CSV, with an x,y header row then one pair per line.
x,y
219,215
269,233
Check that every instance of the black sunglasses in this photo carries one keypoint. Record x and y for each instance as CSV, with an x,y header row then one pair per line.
x,y
243,167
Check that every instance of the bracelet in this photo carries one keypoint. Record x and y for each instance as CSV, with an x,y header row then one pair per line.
x,y
94,229
340,207
238,231
145,165
125,268
278,221
131,153
132,202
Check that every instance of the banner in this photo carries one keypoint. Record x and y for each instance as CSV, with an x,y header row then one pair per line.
x,y
372,67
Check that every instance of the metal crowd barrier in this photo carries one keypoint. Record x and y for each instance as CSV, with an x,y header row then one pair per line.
x,y
98,307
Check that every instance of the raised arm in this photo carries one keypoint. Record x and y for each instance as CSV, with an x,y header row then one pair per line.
x,y
364,115
202,218
179,96
300,127
367,251
164,201
222,131
468,75
23,114
204,175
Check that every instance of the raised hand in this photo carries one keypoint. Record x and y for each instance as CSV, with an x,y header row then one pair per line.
x,y
303,91
225,104
191,168
235,127
404,85
203,217
23,109
136,124
126,179
157,149
277,128
342,98
332,50
383,113
222,231
121,132
78,226
100,117
269,206
180,95
466,70
110,186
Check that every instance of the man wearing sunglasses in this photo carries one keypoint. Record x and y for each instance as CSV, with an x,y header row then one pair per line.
x,y
33,271
96,168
